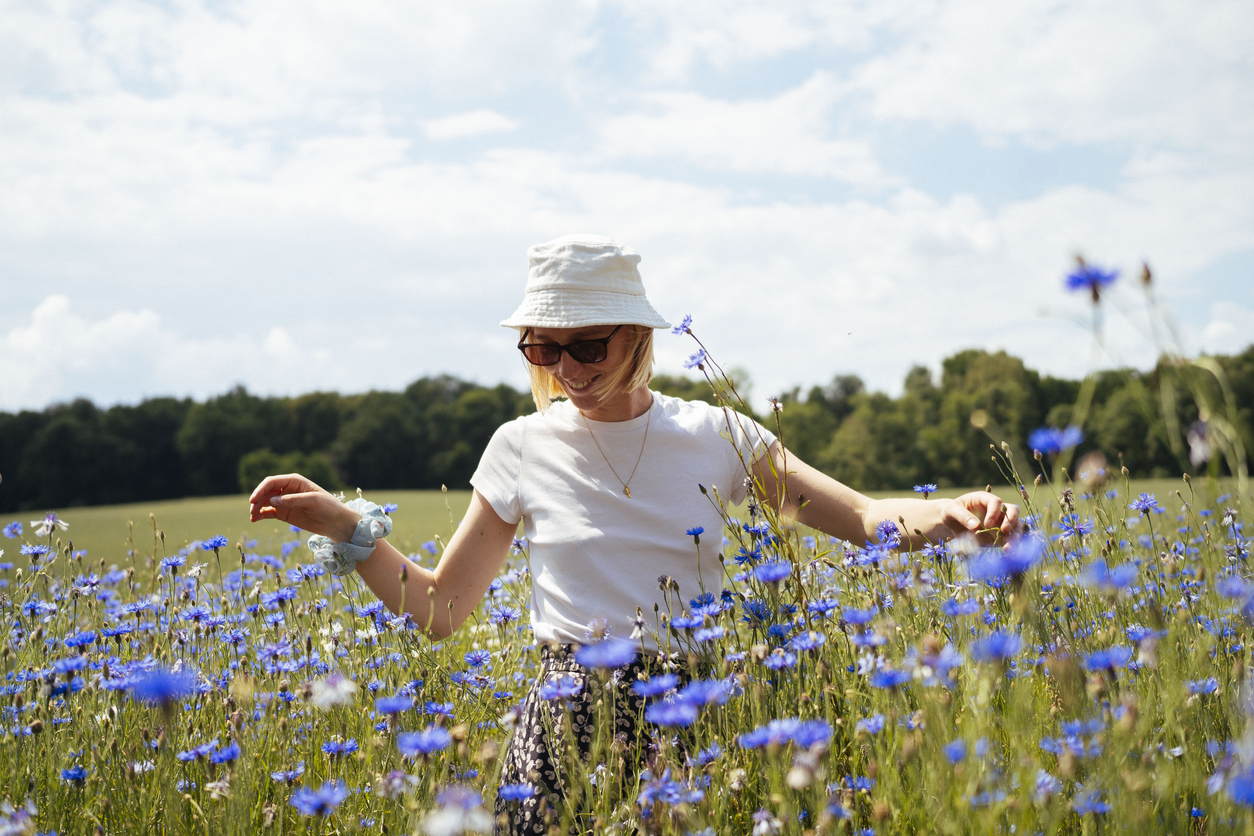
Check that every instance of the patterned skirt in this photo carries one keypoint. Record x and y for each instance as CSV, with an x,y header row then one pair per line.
x,y
550,731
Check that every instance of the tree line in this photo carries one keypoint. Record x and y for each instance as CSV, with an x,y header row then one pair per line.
x,y
434,432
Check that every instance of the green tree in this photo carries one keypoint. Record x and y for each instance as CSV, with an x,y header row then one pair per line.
x,y
218,432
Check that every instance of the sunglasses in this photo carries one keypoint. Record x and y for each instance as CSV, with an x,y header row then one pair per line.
x,y
583,351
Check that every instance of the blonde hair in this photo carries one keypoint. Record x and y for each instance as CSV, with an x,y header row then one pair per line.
x,y
636,372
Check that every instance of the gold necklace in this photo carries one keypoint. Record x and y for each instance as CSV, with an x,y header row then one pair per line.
x,y
626,489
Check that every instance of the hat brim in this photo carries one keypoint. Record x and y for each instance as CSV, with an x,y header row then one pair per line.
x,y
575,309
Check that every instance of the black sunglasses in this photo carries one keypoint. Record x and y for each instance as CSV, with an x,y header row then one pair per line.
x,y
583,351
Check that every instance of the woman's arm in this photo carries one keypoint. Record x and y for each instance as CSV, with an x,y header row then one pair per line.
x,y
819,501
438,601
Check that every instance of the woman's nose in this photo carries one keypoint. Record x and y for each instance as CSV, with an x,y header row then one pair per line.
x,y
568,366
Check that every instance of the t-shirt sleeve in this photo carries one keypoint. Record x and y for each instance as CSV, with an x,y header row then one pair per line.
x,y
497,477
750,442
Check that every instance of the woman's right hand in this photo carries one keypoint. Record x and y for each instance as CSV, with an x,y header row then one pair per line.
x,y
297,501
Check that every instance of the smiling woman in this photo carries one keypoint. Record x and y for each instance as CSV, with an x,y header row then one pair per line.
x,y
608,483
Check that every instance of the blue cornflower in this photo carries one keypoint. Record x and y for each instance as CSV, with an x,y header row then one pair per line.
x,y
993,566
674,713
289,776
871,725
478,658
855,616
1203,686
504,614
215,543
687,622
515,792
956,751
1087,277
74,775
1051,440
809,640
430,547
226,754
560,687
656,686
1045,785
996,647
390,507
887,533
665,790
695,533
440,709
1146,503
201,751
703,692
393,705
432,739
1073,526
709,754
696,361
889,678
80,639
610,653
776,732
33,551
684,326
772,572
173,561
755,612
1110,658
927,490
1108,580
780,659
163,687
1089,801
13,530
709,634
336,748
321,802
956,609
1240,787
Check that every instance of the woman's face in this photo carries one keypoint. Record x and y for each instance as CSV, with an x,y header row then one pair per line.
x,y
577,379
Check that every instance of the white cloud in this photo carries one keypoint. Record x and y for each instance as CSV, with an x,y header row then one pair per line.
x,y
474,123
788,134
1067,70
253,192
1230,330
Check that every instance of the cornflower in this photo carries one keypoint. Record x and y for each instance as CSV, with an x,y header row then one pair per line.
x,y
48,524
1087,276
432,739
1051,440
321,802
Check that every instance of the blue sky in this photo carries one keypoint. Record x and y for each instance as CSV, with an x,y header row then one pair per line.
x,y
299,196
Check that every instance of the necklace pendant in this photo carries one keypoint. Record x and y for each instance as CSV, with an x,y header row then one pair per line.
x,y
627,491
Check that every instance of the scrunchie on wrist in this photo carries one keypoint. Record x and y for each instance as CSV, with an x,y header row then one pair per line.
x,y
342,558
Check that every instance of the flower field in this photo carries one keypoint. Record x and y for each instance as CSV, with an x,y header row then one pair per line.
x,y
1092,674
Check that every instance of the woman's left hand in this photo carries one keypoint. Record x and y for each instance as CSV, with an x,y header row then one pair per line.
x,y
983,514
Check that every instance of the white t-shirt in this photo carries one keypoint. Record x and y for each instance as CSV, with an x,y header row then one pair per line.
x,y
595,553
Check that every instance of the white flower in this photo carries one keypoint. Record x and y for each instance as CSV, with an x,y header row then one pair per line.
x,y
334,690
461,811
45,526
195,571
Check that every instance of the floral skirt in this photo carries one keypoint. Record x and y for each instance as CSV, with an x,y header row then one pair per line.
x,y
550,731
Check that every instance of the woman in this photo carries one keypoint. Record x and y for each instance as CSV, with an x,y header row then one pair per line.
x,y
606,485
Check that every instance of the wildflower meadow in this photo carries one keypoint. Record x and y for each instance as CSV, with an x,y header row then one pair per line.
x,y
1091,675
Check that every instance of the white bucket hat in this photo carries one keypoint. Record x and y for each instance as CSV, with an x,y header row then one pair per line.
x,y
580,280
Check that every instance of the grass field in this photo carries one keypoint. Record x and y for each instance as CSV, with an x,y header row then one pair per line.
x,y
1090,678
106,531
